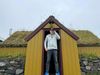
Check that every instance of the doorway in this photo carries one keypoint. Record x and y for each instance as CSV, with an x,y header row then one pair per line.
x,y
52,66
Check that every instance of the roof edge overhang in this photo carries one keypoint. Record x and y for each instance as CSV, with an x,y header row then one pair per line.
x,y
49,20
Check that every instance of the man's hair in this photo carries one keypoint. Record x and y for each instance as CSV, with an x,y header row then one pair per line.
x,y
52,29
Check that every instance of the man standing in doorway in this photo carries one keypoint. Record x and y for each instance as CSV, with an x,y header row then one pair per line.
x,y
50,45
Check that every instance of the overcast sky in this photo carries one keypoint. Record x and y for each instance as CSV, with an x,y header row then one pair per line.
x,y
29,14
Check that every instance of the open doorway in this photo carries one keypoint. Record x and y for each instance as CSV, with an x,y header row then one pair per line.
x,y
52,66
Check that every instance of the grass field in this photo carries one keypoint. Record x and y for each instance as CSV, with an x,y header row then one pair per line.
x,y
93,73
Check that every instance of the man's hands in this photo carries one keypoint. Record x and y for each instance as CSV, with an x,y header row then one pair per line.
x,y
46,49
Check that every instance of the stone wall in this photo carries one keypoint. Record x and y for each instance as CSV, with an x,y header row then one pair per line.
x,y
12,65
90,66
15,65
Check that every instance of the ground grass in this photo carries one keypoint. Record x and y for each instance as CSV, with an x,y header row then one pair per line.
x,y
93,73
88,56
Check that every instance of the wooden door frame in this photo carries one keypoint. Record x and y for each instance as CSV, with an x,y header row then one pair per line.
x,y
60,52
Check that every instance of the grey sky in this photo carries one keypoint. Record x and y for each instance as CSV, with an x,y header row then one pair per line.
x,y
29,14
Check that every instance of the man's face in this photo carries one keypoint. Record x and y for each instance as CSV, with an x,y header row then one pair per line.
x,y
51,32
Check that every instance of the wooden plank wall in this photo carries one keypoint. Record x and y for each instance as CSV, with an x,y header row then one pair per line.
x,y
12,51
34,55
70,55
89,50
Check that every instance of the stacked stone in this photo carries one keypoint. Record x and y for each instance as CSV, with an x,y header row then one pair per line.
x,y
12,66
90,65
15,65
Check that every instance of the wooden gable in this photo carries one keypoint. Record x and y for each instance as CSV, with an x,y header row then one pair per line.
x,y
56,23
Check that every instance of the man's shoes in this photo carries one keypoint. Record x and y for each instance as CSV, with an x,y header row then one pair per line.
x,y
46,73
58,73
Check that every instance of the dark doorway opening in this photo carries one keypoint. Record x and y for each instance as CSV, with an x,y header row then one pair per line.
x,y
52,66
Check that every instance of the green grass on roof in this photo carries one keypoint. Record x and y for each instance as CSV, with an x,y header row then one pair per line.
x,y
86,37
17,38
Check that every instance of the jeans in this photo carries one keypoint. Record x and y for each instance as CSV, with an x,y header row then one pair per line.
x,y
49,54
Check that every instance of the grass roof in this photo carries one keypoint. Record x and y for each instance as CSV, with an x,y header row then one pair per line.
x,y
87,38
17,38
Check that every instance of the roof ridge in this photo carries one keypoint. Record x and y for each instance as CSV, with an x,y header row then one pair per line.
x,y
48,20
